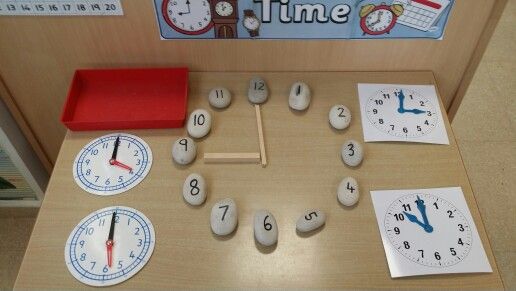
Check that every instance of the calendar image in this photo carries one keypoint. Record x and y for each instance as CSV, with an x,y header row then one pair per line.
x,y
421,14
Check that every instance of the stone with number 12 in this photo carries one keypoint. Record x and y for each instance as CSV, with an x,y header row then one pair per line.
x,y
224,217
310,220
194,189
265,228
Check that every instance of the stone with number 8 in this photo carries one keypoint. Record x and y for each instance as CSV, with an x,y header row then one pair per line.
x,y
184,151
224,217
194,189
310,220
199,123
265,228
352,153
348,193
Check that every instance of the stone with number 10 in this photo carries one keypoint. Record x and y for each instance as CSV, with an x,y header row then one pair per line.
x,y
224,217
199,123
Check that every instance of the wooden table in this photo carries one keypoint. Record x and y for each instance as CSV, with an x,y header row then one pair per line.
x,y
304,169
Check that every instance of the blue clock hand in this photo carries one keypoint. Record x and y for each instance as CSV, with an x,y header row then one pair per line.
x,y
415,111
422,208
414,219
401,98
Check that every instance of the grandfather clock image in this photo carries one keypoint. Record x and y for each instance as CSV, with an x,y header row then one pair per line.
x,y
225,18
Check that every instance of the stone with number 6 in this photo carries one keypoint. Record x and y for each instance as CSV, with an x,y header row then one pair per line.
x,y
265,228
352,153
194,189
184,151
348,193
224,217
310,220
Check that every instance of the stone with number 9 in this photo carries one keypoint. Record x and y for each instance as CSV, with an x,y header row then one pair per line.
x,y
184,151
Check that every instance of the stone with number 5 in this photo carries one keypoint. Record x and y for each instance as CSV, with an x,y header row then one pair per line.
x,y
194,189
310,220
348,193
184,151
352,153
265,228
224,217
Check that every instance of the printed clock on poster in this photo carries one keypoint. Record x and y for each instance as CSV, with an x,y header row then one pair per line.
x,y
428,231
408,113
191,17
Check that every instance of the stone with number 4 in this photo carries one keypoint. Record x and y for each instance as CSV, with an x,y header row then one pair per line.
x,y
219,97
265,228
310,220
194,189
348,193
184,151
258,91
224,217
352,153
199,123
340,117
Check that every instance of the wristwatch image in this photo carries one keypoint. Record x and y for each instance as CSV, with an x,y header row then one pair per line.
x,y
251,23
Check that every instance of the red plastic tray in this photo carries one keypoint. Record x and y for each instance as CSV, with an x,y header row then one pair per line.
x,y
126,99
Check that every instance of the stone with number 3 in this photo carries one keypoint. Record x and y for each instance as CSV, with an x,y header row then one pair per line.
x,y
184,151
310,220
194,189
224,217
348,192
352,153
199,123
265,228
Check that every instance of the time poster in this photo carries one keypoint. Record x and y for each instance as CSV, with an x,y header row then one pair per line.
x,y
302,19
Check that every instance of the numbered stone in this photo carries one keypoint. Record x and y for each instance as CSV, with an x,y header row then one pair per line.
x,y
340,117
199,123
194,189
184,151
348,192
265,228
352,153
300,96
258,91
219,97
310,220
223,219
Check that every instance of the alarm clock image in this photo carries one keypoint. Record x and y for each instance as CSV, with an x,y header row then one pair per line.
x,y
380,19
191,17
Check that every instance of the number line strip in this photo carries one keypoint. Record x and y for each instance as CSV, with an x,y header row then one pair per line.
x,y
260,135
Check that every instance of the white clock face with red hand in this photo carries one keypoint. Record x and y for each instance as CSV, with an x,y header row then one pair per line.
x,y
112,164
109,246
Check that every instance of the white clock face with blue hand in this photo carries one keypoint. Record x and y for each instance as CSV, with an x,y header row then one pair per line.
x,y
401,113
428,230
109,246
112,164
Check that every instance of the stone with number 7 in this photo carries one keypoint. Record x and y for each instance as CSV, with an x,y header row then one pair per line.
x,y
224,217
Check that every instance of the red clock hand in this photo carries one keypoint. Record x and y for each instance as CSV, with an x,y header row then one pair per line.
x,y
119,164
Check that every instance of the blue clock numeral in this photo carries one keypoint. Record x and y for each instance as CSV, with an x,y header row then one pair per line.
x,y
131,255
83,257
93,264
137,231
120,266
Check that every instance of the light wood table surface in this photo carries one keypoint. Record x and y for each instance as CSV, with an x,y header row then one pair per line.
x,y
304,169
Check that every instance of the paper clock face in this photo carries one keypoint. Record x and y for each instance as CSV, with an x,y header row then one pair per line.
x,y
401,113
428,231
188,17
96,172
86,252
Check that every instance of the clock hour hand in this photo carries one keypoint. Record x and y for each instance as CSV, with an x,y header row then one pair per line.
x,y
110,242
415,111
422,208
187,5
414,219
401,98
121,165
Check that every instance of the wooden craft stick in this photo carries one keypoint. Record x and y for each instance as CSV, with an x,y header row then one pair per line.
x,y
260,135
222,158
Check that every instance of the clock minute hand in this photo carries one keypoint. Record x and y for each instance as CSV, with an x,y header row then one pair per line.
x,y
422,208
110,242
401,98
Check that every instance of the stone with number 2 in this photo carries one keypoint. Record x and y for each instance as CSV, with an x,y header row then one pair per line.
x,y
194,189
265,228
224,217
310,220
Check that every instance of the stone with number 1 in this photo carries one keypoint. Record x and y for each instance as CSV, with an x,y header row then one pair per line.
x,y
265,228
310,220
194,189
224,217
